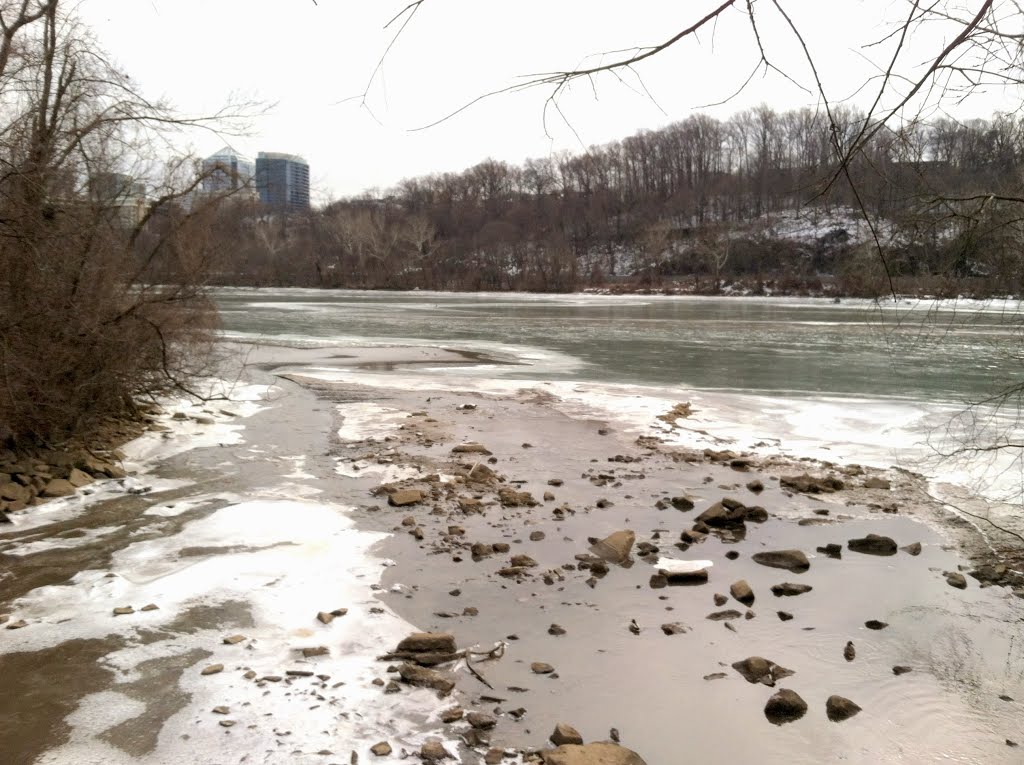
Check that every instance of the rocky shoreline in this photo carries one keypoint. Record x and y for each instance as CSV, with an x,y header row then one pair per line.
x,y
451,512
580,593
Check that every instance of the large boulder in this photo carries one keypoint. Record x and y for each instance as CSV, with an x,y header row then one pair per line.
x,y
58,487
873,544
615,547
791,560
785,706
592,754
565,734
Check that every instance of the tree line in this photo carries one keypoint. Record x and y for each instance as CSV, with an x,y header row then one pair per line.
x,y
698,202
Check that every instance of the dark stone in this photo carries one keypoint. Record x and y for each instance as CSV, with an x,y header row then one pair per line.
x,y
901,669
784,707
742,592
719,616
791,560
790,589
873,544
838,708
808,484
784,615
756,669
874,624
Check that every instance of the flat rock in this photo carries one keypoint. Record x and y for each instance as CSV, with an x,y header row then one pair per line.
x,y
873,544
788,589
875,624
742,592
565,734
481,720
471,448
404,497
58,487
383,749
426,678
509,497
673,628
785,706
757,669
721,616
541,668
427,642
791,560
213,669
838,708
901,669
592,754
233,639
808,484
123,611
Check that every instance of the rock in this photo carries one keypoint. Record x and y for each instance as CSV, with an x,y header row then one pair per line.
x,y
501,547
901,669
792,560
742,592
213,669
233,639
150,607
404,497
522,561
682,502
831,550
541,668
838,708
20,624
481,720
808,484
874,624
556,629
320,650
549,497
123,611
788,589
433,750
565,734
615,547
227,723
785,706
426,678
876,482
451,715
592,754
556,482
956,579
222,710
756,669
537,536
325,617
471,448
427,642
673,628
755,486
15,492
58,487
509,497
756,514
720,516
684,578
784,616
658,581
732,555
383,749
721,616
494,756
78,478
873,544
849,652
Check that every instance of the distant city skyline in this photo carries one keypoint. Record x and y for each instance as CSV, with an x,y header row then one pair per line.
x,y
453,52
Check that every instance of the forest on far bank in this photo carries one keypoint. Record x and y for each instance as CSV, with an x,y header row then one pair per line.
x,y
754,203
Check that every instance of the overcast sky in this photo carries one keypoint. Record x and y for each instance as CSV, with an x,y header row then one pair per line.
x,y
306,59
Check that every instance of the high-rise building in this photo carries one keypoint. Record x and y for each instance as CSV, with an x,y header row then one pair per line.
x,y
226,171
283,181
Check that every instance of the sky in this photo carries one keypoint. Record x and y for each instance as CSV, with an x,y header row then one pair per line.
x,y
312,67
